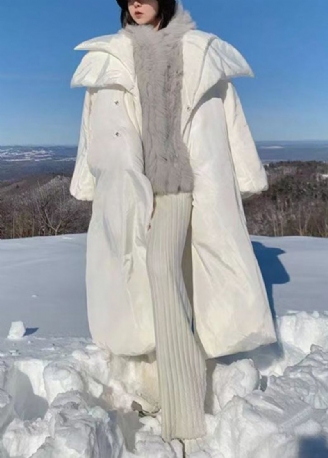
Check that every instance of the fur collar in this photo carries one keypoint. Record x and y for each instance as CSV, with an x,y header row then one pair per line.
x,y
158,62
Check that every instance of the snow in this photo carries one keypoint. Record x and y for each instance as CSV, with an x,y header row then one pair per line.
x,y
17,330
61,396
271,147
51,292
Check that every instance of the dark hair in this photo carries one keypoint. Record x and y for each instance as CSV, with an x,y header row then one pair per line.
x,y
166,11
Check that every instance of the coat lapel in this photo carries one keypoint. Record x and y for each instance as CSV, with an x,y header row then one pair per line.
x,y
207,59
109,62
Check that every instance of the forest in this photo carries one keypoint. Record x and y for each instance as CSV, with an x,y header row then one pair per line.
x,y
296,203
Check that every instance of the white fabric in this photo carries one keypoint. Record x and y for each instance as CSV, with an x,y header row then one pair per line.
x,y
180,360
231,307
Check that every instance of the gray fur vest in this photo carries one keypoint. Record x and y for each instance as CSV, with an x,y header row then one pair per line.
x,y
158,61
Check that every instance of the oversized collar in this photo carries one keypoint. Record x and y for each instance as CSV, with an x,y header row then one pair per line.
x,y
207,59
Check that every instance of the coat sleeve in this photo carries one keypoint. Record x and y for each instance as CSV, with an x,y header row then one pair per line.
x,y
251,175
83,182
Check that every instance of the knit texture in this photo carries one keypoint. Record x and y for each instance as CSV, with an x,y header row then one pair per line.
x,y
180,359
158,60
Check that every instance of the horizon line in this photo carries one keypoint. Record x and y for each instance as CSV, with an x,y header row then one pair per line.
x,y
76,145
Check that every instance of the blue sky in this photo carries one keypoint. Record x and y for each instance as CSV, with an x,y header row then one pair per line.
x,y
284,41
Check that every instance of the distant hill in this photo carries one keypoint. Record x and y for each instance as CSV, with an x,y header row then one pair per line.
x,y
295,204
41,205
22,161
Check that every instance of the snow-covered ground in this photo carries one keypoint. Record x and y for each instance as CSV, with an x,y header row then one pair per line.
x,y
59,398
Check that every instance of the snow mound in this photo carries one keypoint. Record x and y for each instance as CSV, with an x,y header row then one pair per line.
x,y
17,330
64,398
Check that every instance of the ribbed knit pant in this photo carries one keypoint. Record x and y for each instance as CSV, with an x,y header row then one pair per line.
x,y
180,361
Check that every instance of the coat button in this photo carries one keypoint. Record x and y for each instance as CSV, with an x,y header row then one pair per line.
x,y
117,134
188,107
116,102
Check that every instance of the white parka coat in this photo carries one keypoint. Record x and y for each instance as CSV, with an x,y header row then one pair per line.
x,y
222,276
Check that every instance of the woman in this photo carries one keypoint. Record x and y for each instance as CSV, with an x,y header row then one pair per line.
x,y
166,155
